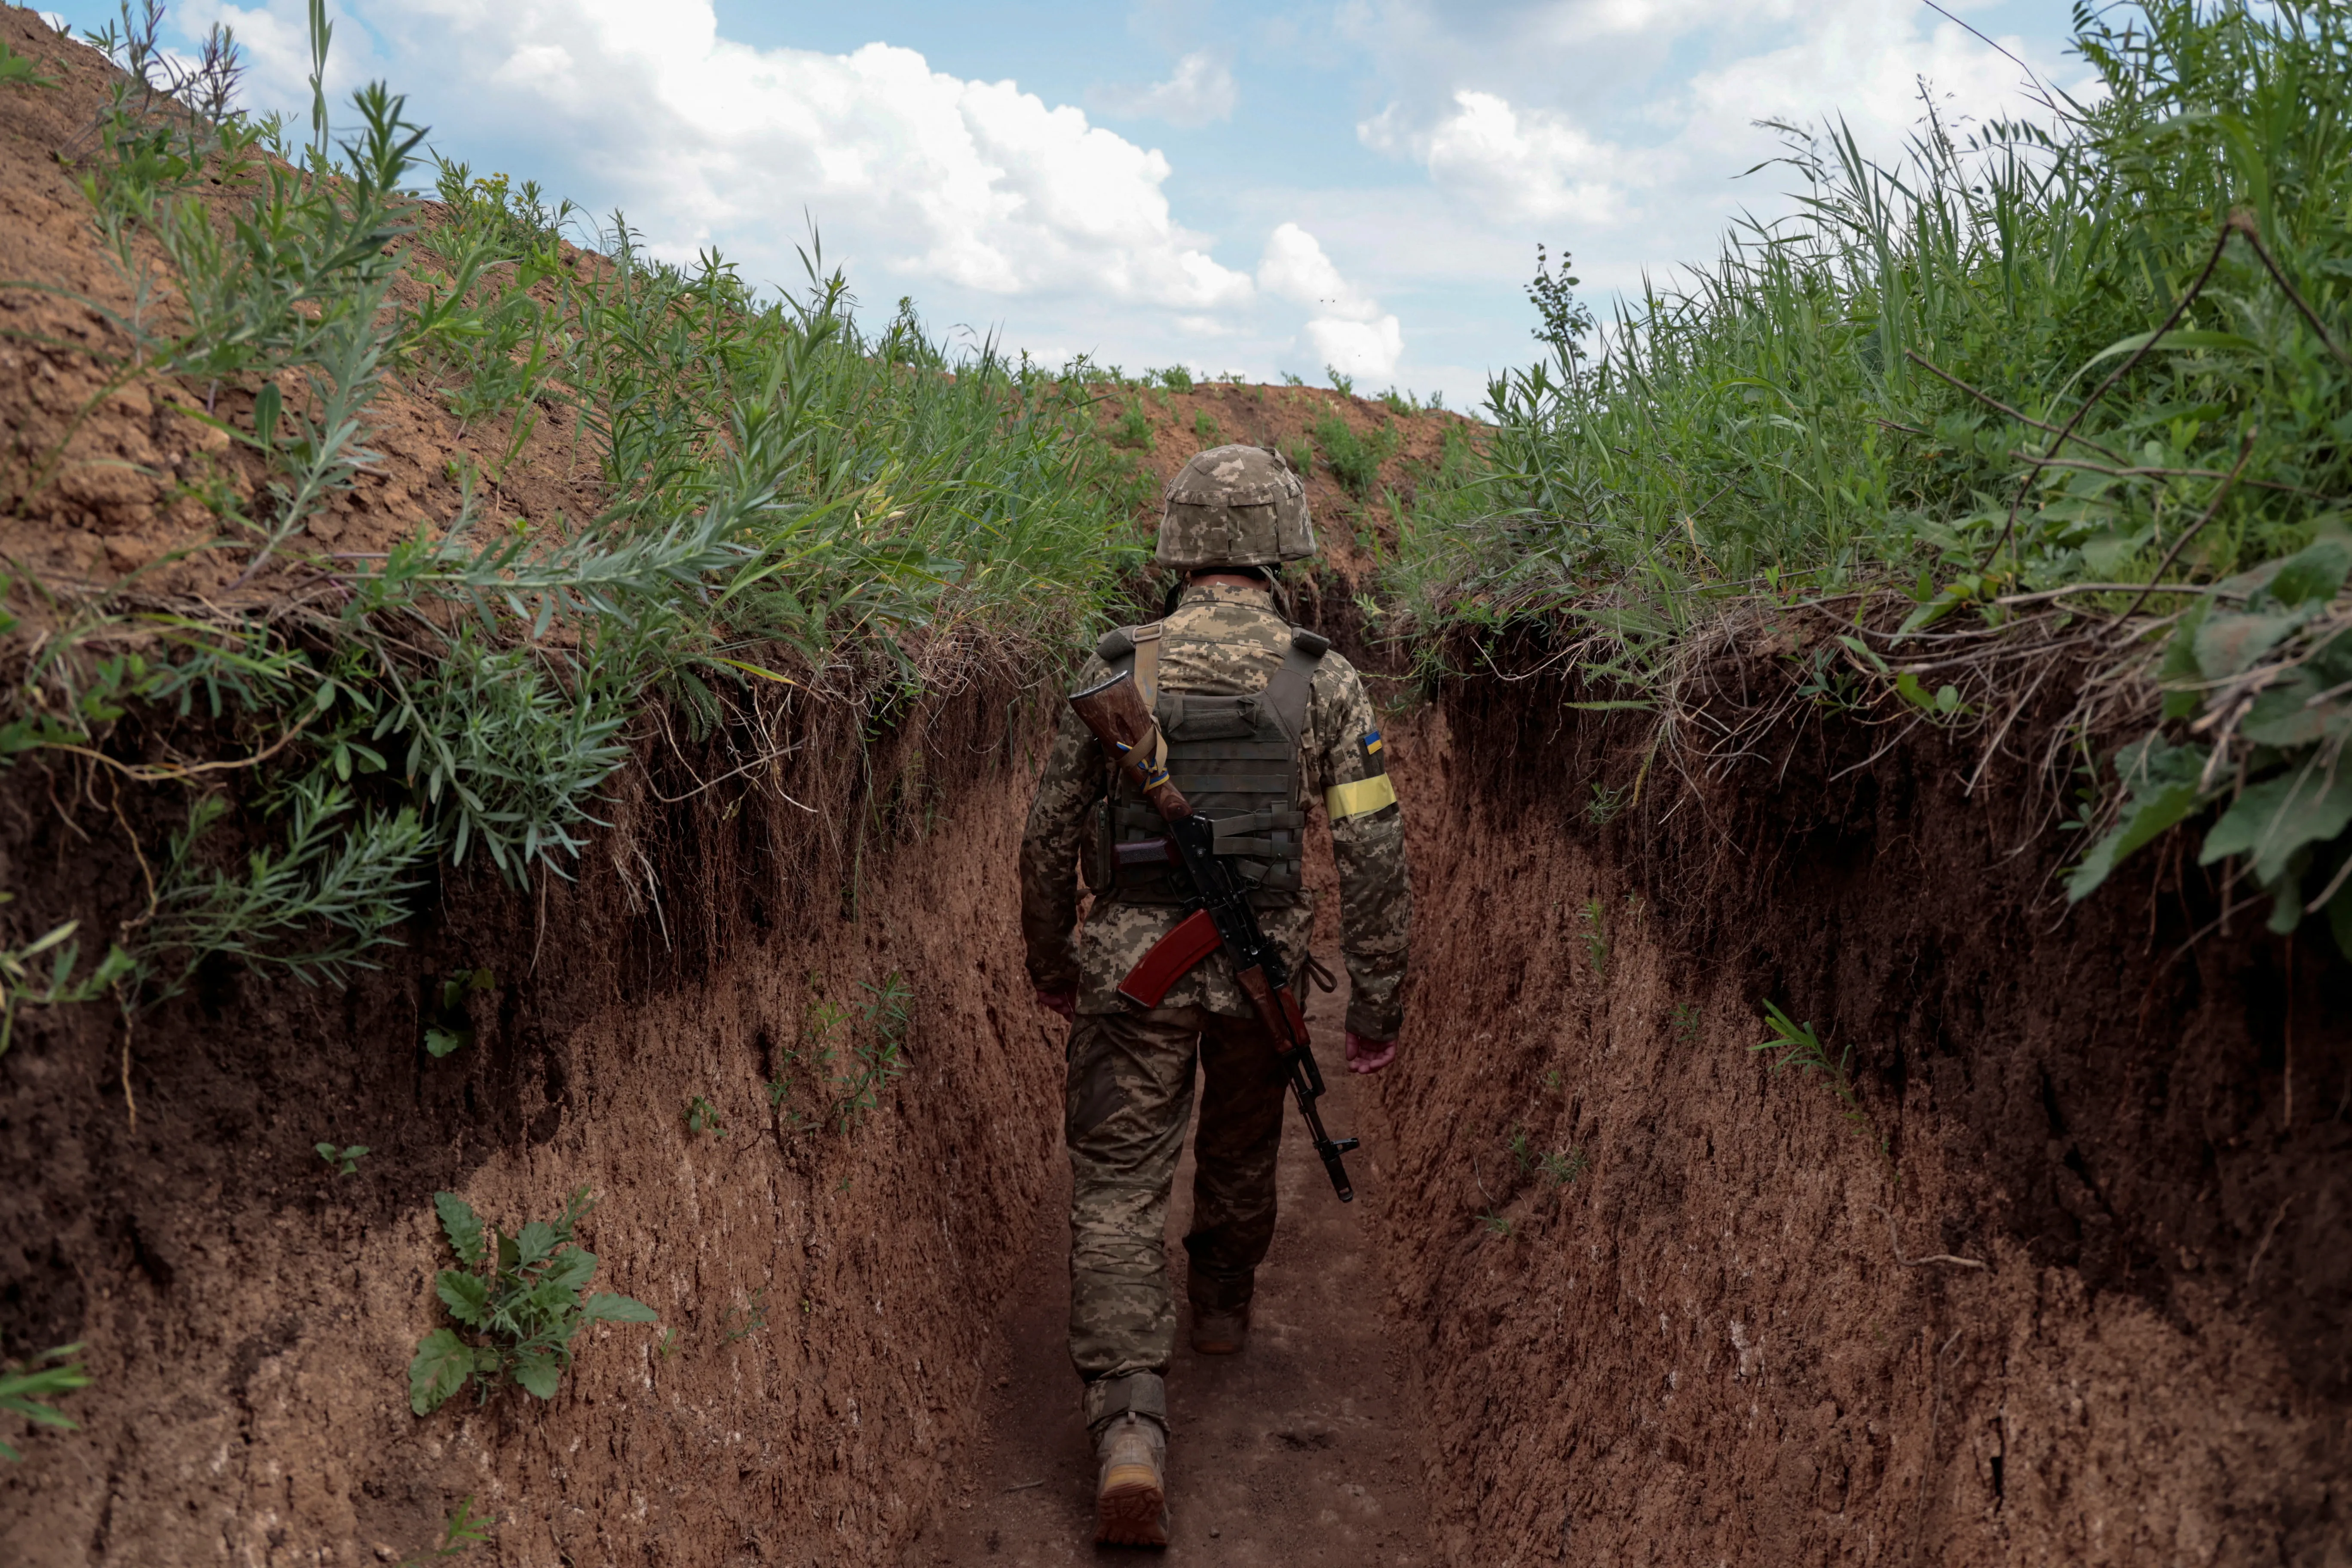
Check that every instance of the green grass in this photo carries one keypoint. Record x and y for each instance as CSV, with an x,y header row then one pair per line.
x,y
1823,405
789,490
2084,366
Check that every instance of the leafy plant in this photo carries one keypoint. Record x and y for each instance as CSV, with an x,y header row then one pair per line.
x,y
743,1322
452,1027
520,1301
1345,384
701,1116
878,1051
1204,427
459,1535
1797,1046
1354,460
19,987
1133,427
16,70
343,1160
2266,659
1605,804
1687,1019
1562,1166
2077,361
1596,938
26,1386
1176,378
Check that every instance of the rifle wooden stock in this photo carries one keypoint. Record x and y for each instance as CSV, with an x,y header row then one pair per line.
x,y
1115,713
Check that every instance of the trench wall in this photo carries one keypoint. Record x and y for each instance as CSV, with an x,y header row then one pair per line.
x,y
249,1313
1734,1333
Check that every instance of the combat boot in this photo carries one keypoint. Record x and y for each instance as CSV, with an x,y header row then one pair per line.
x,y
1220,1331
1129,1418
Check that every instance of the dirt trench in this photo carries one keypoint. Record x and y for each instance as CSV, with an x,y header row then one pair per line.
x,y
2061,1277
2064,1283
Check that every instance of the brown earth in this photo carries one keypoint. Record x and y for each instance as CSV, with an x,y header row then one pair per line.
x,y
2070,1284
99,488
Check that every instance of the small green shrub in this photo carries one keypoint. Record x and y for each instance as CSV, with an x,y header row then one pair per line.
x,y
1204,427
343,1160
1797,1046
453,1024
1596,938
16,70
519,1299
1605,804
1562,1166
858,1092
1176,378
24,1386
19,988
742,1323
1346,384
1355,460
459,1535
1133,428
701,1116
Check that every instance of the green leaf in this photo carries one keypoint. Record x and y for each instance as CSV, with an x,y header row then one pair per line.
x,y
2229,644
571,1268
2162,781
539,1374
441,1366
462,1226
536,1241
2315,572
440,1042
2339,918
2179,668
605,1307
466,1296
2283,715
2271,820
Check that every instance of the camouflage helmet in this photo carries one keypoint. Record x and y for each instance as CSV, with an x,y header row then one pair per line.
x,y
1234,506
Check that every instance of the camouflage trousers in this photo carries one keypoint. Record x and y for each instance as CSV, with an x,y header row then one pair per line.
x,y
1128,1098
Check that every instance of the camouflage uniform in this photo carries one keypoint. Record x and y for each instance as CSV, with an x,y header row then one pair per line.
x,y
1130,1085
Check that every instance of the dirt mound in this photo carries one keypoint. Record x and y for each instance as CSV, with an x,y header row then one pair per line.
x,y
2049,1269
110,471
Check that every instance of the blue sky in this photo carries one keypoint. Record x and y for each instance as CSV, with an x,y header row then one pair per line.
x,y
1263,188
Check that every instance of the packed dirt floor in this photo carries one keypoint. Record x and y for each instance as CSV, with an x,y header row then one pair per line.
x,y
1300,1450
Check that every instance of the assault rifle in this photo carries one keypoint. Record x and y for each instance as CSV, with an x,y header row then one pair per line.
x,y
1221,916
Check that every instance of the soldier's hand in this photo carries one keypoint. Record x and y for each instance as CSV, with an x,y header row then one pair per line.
x,y
1369,1056
1065,1003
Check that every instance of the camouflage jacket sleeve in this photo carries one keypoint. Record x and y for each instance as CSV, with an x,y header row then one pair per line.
x,y
1347,764
1050,846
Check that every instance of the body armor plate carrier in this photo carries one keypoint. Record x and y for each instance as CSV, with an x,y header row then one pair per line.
x,y
1234,757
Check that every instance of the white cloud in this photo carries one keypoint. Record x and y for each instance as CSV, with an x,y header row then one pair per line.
x,y
1347,329
1517,165
1202,90
1618,127
976,184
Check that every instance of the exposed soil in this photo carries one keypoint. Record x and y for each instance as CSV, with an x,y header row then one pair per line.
x,y
2069,1284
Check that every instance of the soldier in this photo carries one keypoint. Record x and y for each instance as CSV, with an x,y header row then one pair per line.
x,y
1260,720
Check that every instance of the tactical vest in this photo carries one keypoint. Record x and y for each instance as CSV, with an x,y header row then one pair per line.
x,y
1234,757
